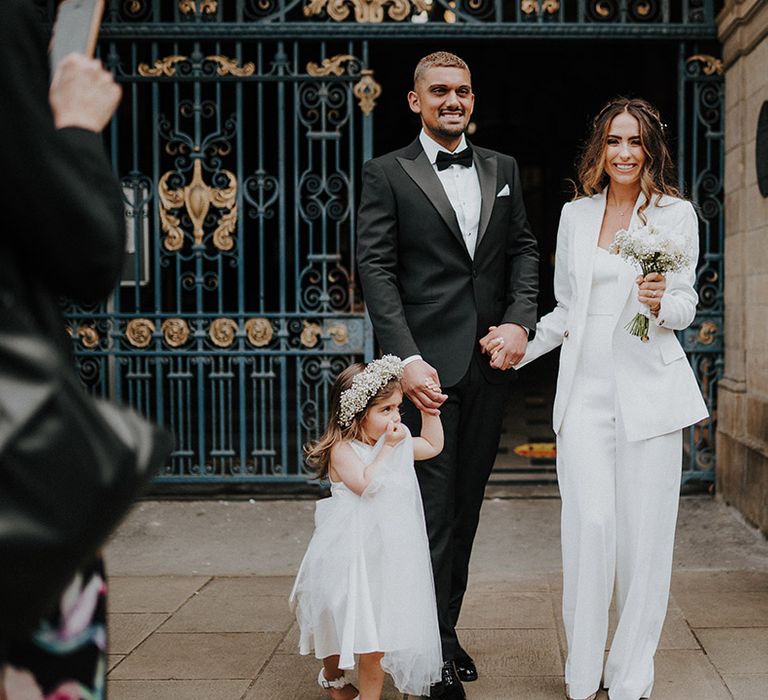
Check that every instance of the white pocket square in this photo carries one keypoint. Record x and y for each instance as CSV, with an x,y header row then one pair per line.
x,y
504,191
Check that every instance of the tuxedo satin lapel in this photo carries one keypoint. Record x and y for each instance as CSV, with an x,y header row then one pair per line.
x,y
420,170
487,175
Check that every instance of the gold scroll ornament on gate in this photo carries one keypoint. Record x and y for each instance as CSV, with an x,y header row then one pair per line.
x,y
312,332
710,64
533,7
176,332
366,11
203,7
167,65
366,90
197,197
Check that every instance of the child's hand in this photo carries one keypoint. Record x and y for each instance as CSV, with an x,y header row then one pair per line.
x,y
394,435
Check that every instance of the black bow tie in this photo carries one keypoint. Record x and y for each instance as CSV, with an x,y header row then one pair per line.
x,y
445,160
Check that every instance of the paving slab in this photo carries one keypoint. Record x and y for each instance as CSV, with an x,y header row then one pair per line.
x,y
686,675
710,535
509,582
736,651
555,580
225,538
128,630
151,594
509,609
294,677
272,585
268,538
675,634
748,687
198,656
213,579
735,609
514,652
516,688
233,605
177,690
709,581
516,536
113,660
290,643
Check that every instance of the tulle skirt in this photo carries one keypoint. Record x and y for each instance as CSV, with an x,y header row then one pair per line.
x,y
365,584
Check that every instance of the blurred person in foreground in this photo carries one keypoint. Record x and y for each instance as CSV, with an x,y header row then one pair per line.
x,y
62,235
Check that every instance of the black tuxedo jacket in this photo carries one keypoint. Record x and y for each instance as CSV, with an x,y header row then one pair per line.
x,y
63,227
424,293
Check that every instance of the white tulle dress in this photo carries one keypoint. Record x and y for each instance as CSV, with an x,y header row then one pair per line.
x,y
365,583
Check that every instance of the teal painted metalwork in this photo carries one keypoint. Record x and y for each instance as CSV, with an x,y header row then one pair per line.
x,y
455,19
239,163
701,158
239,145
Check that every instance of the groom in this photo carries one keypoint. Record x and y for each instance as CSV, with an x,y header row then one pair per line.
x,y
449,269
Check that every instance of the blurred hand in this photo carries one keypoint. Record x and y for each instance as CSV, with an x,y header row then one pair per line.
x,y
505,344
83,94
395,434
422,386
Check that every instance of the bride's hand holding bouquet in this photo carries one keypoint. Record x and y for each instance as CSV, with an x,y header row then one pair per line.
x,y
656,252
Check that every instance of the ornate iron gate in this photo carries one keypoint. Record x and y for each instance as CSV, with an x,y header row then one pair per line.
x,y
239,143
239,164
701,111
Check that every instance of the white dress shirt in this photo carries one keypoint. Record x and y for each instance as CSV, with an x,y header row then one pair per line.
x,y
462,187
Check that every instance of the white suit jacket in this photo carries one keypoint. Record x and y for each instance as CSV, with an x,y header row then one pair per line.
x,y
657,390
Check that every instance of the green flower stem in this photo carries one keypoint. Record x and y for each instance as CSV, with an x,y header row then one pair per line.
x,y
638,326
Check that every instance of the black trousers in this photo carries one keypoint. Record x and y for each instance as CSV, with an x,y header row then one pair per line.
x,y
453,484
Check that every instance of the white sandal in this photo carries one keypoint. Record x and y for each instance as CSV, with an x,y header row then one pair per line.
x,y
568,694
339,684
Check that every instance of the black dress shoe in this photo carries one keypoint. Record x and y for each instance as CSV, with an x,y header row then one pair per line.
x,y
465,666
449,687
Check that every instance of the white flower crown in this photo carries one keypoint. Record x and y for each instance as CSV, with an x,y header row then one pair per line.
x,y
366,385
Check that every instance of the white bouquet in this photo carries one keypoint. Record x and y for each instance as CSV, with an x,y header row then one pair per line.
x,y
652,249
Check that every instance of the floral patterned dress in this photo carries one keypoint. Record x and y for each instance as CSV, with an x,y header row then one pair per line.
x,y
65,658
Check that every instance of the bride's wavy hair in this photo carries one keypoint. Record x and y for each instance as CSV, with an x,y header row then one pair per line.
x,y
658,170
318,453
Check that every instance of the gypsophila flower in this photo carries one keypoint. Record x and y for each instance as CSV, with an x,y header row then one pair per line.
x,y
653,250
366,385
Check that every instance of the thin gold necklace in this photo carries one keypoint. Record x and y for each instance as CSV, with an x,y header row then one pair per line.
x,y
620,212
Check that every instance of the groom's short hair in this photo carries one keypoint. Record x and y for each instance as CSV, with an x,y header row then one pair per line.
x,y
443,59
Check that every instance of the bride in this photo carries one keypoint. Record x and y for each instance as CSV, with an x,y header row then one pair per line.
x,y
621,404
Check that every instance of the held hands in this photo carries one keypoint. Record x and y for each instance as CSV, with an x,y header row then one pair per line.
x,y
83,94
506,345
395,434
421,385
651,289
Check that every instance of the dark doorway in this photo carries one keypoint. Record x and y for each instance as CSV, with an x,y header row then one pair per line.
x,y
534,100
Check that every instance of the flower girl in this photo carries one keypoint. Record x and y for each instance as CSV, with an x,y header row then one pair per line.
x,y
365,585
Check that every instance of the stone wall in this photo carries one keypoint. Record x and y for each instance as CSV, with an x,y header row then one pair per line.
x,y
742,439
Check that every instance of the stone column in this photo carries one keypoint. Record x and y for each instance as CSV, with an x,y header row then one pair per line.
x,y
742,414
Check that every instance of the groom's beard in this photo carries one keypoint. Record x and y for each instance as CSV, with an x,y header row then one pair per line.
x,y
450,131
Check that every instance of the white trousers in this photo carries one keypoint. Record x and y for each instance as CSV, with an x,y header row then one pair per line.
x,y
619,510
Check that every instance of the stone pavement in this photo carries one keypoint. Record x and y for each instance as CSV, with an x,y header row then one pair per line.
x,y
198,601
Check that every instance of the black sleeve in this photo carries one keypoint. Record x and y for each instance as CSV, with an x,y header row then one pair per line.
x,y
522,263
62,204
377,263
